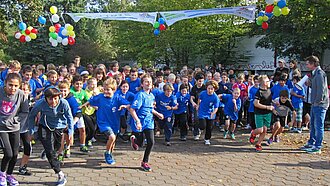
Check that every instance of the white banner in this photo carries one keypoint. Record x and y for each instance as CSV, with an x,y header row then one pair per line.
x,y
247,12
148,17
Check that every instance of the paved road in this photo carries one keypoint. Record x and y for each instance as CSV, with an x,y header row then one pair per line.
x,y
225,162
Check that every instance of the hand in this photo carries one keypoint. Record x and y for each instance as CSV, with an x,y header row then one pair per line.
x,y
234,101
121,107
194,104
138,125
212,115
168,107
160,116
271,108
225,87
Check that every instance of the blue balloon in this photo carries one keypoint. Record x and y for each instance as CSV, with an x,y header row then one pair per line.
x,y
42,20
261,13
281,3
22,26
156,32
60,32
161,21
269,15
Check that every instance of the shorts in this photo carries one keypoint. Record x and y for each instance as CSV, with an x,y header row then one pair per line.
x,y
299,112
109,132
80,123
229,118
280,119
263,120
306,108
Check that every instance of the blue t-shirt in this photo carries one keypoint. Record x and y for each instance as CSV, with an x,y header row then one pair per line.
x,y
276,89
229,106
143,105
183,102
107,114
74,105
134,85
176,88
156,91
129,96
252,93
162,101
33,87
297,102
207,105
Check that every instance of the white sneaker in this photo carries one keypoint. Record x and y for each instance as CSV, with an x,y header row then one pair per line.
x,y
248,126
61,180
207,142
196,137
93,140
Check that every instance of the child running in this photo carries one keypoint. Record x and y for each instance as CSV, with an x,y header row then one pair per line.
x,y
181,114
142,123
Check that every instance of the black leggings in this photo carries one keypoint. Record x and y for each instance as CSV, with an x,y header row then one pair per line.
x,y
182,121
51,140
90,125
149,134
26,143
10,143
206,124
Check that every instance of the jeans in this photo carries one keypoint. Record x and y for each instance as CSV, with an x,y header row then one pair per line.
x,y
317,126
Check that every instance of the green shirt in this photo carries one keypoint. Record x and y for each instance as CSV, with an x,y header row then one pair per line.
x,y
81,96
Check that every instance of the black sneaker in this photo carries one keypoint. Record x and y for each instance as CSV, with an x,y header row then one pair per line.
x,y
24,171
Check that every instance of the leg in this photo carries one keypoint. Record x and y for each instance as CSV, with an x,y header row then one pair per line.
x,y
111,143
27,148
209,126
319,125
150,143
312,124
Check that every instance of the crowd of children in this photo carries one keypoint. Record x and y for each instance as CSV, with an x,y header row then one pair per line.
x,y
57,102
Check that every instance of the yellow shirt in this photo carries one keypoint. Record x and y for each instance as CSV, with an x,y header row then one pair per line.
x,y
89,110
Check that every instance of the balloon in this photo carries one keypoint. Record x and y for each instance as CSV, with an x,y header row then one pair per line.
x,y
265,18
69,27
270,15
261,14
57,25
55,18
260,18
51,39
71,33
71,41
27,32
285,10
281,3
53,9
156,24
269,2
17,35
59,39
264,25
161,21
33,36
29,28
277,11
42,20
34,30
52,29
27,38
259,23
64,32
22,26
156,32
65,41
53,35
54,43
162,27
22,39
269,8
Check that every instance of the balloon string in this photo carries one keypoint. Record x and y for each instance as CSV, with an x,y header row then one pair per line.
x,y
50,19
63,18
20,16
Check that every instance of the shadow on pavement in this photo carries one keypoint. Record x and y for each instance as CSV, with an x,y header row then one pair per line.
x,y
314,164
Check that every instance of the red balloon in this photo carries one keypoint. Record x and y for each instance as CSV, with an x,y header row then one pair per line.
x,y
264,25
162,27
71,40
269,8
34,30
57,25
57,30
27,32
22,38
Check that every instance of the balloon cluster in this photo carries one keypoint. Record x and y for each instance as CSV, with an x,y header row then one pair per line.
x,y
273,8
159,26
26,34
58,33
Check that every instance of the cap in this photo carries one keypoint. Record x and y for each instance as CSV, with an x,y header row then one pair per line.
x,y
140,71
281,61
84,73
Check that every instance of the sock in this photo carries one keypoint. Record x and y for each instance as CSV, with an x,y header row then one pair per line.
x,y
81,145
61,174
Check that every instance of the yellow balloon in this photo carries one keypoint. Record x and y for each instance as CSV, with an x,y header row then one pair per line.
x,y
285,10
30,28
52,29
53,9
71,33
70,28
265,18
33,36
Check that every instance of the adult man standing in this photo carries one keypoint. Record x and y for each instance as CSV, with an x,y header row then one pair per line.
x,y
320,104
281,69
79,68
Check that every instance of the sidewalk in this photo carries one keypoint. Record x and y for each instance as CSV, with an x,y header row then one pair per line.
x,y
225,162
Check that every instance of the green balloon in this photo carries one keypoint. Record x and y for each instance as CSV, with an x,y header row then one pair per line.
x,y
260,18
53,35
259,22
156,24
276,8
